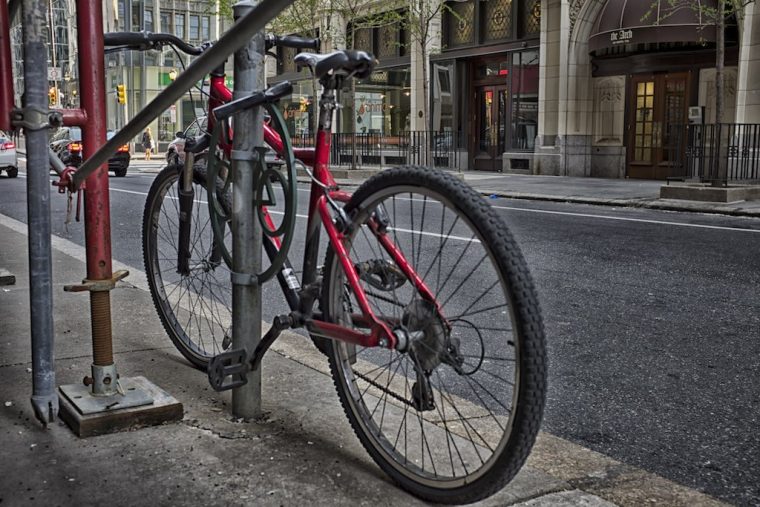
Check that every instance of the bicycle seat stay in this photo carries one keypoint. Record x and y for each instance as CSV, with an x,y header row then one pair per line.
x,y
342,62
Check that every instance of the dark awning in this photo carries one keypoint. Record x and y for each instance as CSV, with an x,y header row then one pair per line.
x,y
623,22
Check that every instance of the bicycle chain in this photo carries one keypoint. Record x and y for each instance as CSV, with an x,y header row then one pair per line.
x,y
391,393
383,298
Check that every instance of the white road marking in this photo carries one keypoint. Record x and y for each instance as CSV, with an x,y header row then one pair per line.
x,y
526,210
608,217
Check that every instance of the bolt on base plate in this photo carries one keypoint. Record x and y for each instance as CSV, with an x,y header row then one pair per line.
x,y
143,404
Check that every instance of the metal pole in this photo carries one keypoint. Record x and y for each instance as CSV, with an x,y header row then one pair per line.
x,y
44,398
97,215
6,69
246,27
246,229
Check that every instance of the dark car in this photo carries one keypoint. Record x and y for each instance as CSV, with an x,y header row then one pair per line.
x,y
67,144
120,161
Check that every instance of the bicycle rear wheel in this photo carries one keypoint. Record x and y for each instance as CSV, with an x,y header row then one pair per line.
x,y
453,417
195,309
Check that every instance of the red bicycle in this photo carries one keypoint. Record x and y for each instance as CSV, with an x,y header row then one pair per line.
x,y
424,305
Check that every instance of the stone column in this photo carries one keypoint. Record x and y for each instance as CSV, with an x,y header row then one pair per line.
x,y
748,86
546,156
418,77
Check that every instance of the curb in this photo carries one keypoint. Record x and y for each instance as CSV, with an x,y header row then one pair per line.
x,y
644,202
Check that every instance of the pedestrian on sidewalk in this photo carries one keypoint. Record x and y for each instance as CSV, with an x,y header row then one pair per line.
x,y
147,142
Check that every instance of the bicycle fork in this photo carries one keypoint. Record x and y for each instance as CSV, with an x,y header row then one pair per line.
x,y
186,198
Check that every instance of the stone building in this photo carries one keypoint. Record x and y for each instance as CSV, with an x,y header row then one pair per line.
x,y
614,82
146,74
559,87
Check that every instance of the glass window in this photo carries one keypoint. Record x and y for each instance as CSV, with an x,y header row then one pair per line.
x,y
531,17
497,19
524,99
298,111
148,20
136,24
382,104
442,97
179,25
122,15
205,28
194,33
461,18
166,22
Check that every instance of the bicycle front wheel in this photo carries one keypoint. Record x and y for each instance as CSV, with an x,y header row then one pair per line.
x,y
195,308
453,417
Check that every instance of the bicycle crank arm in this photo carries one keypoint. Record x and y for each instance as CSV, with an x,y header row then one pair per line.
x,y
280,324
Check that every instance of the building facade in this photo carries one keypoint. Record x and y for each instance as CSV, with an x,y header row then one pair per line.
x,y
146,74
558,87
615,83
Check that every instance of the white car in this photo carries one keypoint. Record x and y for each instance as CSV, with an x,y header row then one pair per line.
x,y
175,153
8,156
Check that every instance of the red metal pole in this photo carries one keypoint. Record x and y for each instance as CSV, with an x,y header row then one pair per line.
x,y
96,205
6,69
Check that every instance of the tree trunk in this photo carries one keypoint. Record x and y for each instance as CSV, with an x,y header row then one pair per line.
x,y
720,55
351,106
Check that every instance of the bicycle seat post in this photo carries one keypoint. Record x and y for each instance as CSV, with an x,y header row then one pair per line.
x,y
246,229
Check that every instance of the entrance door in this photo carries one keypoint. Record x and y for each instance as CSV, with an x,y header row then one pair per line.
x,y
490,127
658,108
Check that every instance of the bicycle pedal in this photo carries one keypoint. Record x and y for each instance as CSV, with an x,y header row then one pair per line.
x,y
232,364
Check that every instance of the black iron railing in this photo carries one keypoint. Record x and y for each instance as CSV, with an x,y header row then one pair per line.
x,y
439,149
718,153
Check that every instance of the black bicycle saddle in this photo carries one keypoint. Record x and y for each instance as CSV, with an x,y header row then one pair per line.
x,y
346,62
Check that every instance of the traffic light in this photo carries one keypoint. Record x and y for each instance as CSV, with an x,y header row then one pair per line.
x,y
121,94
53,95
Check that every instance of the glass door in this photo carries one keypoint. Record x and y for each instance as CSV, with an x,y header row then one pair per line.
x,y
491,127
658,109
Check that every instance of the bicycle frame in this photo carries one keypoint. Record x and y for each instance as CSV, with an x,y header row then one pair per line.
x,y
323,190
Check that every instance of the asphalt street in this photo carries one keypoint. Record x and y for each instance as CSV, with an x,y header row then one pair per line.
x,y
652,323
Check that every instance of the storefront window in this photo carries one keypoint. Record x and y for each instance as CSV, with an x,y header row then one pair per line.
x,y
382,103
298,110
443,100
524,99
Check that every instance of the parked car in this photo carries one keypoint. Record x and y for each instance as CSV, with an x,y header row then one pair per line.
x,y
8,156
120,161
67,144
175,153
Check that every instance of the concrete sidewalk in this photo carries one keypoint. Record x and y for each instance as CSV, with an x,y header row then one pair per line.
x,y
581,190
302,453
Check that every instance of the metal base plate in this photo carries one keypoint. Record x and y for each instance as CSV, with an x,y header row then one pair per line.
x,y
80,396
150,405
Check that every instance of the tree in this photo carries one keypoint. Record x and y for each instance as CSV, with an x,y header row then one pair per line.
x,y
708,16
355,15
420,17
305,18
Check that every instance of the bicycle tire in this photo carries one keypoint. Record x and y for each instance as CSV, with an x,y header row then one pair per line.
x,y
358,390
195,309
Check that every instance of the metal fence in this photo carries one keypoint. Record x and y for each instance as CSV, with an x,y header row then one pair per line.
x,y
419,147
719,153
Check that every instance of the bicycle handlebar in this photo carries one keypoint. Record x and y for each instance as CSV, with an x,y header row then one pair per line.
x,y
143,41
147,40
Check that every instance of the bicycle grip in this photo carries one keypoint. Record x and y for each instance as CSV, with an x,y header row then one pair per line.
x,y
135,39
279,90
293,41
